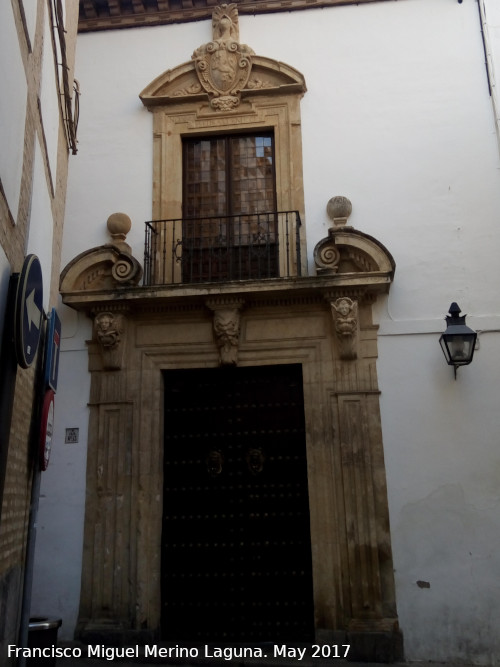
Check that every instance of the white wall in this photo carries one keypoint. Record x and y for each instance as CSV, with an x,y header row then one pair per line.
x,y
41,224
59,538
49,98
443,470
398,118
490,18
12,109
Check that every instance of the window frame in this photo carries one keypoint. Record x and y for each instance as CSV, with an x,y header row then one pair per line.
x,y
265,111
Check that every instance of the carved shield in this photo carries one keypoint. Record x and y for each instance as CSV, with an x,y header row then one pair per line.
x,y
223,69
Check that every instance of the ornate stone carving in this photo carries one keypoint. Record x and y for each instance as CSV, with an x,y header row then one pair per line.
x,y
258,84
226,327
326,254
223,65
326,257
182,84
345,317
227,333
191,89
339,209
119,225
347,252
107,266
110,334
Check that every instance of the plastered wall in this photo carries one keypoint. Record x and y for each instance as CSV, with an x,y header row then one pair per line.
x,y
397,117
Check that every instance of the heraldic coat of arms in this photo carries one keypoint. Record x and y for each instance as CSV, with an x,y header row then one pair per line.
x,y
224,65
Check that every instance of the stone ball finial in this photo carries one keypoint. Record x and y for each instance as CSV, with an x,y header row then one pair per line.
x,y
119,225
339,209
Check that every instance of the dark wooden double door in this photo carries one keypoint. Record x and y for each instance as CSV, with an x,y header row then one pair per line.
x,y
236,559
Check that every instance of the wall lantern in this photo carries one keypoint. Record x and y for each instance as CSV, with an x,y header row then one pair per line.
x,y
458,341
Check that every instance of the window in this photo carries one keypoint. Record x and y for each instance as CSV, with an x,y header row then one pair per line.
x,y
229,208
192,142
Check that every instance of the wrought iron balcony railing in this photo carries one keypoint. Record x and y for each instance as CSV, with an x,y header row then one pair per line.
x,y
251,246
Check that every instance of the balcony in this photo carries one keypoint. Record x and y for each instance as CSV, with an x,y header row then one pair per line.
x,y
254,246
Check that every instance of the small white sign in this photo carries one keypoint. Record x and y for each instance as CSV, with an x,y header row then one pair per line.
x,y
71,435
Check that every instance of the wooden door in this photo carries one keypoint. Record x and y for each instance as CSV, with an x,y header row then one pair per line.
x,y
236,562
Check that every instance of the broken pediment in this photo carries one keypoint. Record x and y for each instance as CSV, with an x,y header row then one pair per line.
x,y
103,268
348,251
224,70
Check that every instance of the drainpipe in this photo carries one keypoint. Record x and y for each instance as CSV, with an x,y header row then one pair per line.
x,y
488,62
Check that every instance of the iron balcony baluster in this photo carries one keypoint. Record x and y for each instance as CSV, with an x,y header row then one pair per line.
x,y
250,246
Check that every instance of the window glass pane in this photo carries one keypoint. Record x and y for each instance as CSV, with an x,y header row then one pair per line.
x,y
229,194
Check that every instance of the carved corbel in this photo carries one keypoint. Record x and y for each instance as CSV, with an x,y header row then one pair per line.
x,y
110,333
226,327
345,319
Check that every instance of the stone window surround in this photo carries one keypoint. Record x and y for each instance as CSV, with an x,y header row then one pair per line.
x,y
279,114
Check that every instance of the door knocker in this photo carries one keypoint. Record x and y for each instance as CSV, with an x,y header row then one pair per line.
x,y
255,460
214,461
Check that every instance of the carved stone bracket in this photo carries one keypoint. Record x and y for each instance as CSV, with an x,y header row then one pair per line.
x,y
226,327
345,318
110,332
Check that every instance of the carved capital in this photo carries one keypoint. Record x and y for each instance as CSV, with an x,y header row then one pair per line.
x,y
110,332
345,318
226,327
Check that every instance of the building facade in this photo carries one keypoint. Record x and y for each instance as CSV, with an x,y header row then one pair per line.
x,y
38,116
259,438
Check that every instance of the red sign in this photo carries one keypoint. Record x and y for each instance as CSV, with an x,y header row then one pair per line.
x,y
46,428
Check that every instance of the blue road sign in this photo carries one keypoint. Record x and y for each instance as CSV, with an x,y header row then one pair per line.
x,y
28,311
